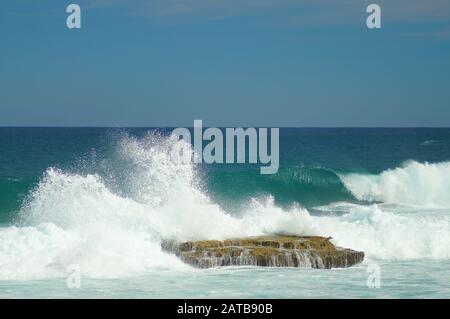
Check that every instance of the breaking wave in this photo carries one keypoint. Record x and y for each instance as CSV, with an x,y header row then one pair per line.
x,y
79,219
414,183
310,186
111,222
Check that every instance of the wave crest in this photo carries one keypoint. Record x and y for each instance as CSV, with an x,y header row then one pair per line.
x,y
414,183
111,222
116,230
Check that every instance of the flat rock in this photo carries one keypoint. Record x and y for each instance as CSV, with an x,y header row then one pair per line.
x,y
265,251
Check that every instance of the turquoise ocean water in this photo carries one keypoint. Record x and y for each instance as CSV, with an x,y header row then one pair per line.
x,y
104,199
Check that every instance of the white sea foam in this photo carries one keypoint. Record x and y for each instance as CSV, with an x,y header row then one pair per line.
x,y
388,234
414,183
114,229
77,219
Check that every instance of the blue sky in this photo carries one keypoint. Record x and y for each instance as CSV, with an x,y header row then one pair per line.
x,y
230,63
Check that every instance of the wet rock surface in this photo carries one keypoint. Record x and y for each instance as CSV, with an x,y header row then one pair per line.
x,y
266,251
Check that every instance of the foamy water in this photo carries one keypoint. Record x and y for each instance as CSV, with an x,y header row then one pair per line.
x,y
112,226
413,183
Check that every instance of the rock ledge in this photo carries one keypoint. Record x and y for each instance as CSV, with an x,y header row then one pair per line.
x,y
266,251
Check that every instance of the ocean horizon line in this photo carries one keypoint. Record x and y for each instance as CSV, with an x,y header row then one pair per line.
x,y
281,127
